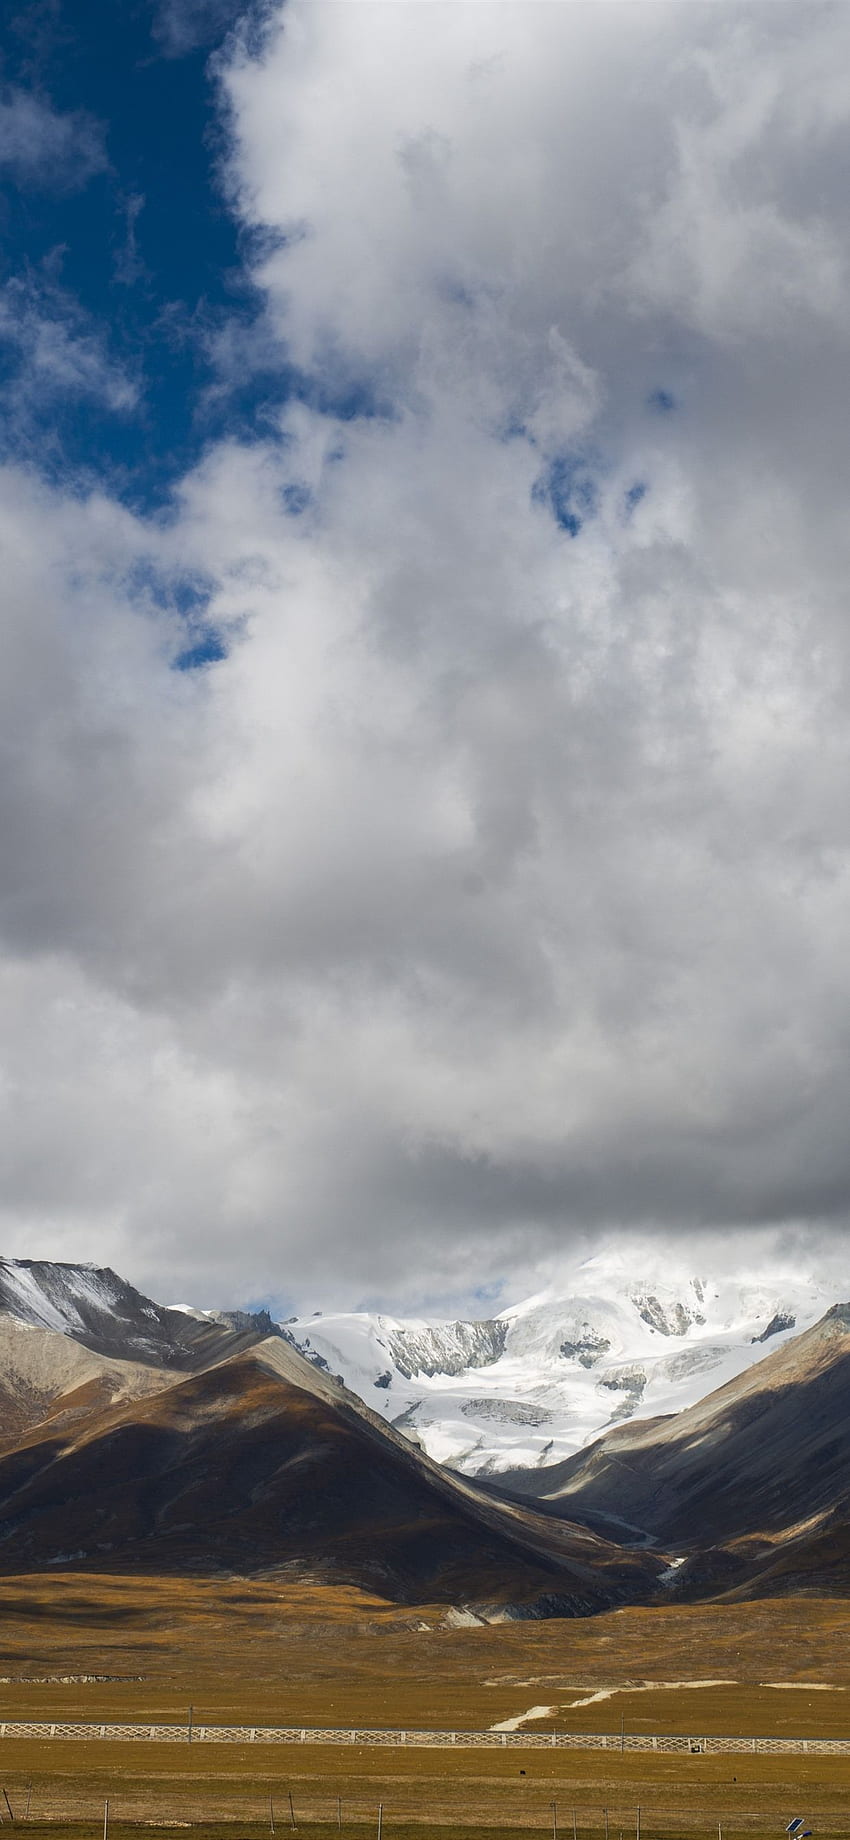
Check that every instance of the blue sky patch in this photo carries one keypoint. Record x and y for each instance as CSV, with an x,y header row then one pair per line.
x,y
134,259
185,593
569,489
207,647
187,596
296,498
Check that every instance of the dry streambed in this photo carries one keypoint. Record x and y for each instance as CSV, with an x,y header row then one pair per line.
x,y
707,1707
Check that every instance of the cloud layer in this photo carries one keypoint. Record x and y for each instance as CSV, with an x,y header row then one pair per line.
x,y
491,891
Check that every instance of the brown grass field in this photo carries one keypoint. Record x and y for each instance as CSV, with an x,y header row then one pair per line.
x,y
271,1652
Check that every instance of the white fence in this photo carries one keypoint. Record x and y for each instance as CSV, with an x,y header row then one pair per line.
x,y
380,1739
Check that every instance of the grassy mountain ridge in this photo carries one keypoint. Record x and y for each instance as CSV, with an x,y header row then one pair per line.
x,y
260,1464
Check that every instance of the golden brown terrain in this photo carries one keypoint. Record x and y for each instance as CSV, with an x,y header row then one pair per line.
x,y
267,1652
253,1544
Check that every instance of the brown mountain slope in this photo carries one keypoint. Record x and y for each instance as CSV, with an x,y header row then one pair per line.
x,y
262,1465
759,1469
44,1374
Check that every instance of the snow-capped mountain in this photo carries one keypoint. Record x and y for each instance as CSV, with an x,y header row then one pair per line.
x,y
94,1306
621,1335
624,1334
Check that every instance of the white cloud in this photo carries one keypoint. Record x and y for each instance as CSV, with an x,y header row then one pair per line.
x,y
58,356
39,145
493,890
181,26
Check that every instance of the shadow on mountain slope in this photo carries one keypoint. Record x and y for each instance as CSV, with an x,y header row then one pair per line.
x,y
751,1486
259,1465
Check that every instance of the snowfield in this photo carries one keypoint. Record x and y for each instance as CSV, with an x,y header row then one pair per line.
x,y
618,1337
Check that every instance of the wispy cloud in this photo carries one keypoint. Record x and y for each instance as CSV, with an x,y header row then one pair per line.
x,y
53,358
40,146
129,267
181,26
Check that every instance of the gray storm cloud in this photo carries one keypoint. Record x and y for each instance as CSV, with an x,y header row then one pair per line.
x,y
492,892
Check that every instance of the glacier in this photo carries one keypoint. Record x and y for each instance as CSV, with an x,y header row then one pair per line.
x,y
626,1332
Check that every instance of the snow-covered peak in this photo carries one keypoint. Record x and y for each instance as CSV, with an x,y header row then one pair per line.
x,y
54,1296
93,1305
616,1335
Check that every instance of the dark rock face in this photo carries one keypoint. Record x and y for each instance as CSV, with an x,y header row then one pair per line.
x,y
257,1322
782,1320
100,1310
507,1411
630,1384
675,1319
447,1348
587,1348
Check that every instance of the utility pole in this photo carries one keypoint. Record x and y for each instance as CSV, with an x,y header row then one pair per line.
x,y
637,1825
605,1813
271,1816
106,1819
339,1813
575,1835
380,1819
291,1812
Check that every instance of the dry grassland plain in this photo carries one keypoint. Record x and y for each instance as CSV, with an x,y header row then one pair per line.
x,y
281,1654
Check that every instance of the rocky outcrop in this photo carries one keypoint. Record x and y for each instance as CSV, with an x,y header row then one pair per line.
x,y
447,1348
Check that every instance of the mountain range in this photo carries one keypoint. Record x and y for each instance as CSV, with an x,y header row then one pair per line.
x,y
216,1447
624,1334
134,1436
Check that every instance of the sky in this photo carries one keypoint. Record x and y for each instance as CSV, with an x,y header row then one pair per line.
x,y
425,703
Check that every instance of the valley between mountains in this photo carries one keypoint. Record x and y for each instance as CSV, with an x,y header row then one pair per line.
x,y
199,1520
142,1439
